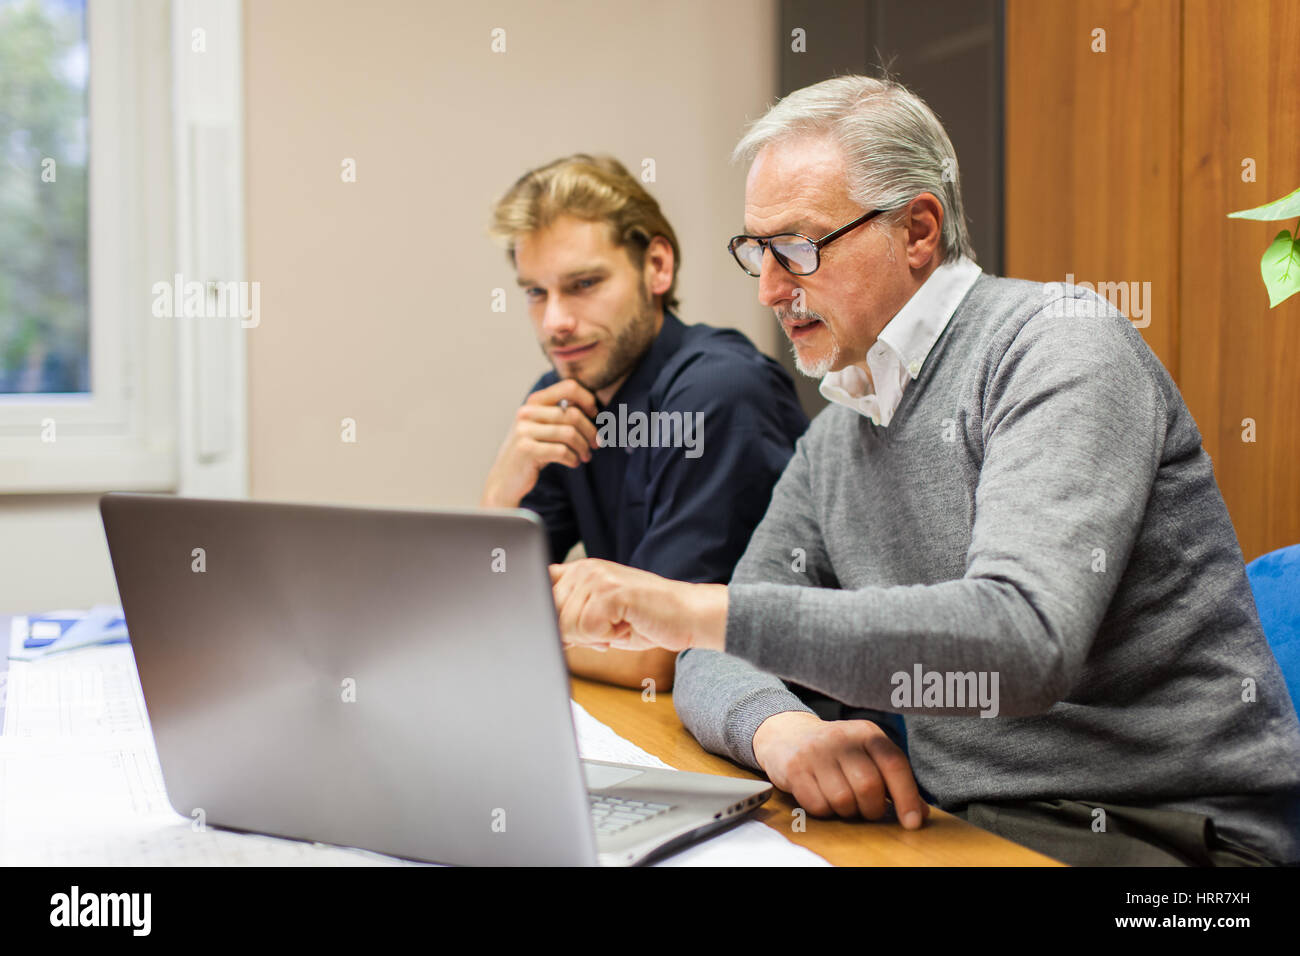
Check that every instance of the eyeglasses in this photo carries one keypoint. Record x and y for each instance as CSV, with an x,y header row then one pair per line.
x,y
798,254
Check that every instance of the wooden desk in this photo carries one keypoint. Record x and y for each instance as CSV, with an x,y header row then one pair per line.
x,y
945,840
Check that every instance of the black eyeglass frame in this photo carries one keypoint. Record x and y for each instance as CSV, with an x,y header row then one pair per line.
x,y
765,242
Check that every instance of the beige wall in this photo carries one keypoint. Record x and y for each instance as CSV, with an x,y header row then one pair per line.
x,y
376,295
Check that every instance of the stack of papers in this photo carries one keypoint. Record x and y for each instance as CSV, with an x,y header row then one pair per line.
x,y
80,782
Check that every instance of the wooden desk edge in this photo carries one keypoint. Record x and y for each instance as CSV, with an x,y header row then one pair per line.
x,y
945,840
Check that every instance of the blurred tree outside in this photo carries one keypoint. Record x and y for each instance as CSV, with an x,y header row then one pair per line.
x,y
44,312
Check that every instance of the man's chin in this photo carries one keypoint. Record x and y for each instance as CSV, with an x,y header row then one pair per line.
x,y
578,370
592,381
818,366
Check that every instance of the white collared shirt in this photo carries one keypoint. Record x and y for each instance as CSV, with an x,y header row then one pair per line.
x,y
902,346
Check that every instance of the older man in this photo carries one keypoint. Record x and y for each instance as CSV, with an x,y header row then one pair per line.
x,y
1004,527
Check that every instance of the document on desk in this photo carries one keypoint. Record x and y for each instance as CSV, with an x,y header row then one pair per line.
x,y
80,783
5,623
747,844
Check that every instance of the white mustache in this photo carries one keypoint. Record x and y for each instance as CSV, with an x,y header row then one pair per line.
x,y
785,316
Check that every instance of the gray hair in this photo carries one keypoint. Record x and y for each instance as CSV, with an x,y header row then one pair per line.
x,y
894,146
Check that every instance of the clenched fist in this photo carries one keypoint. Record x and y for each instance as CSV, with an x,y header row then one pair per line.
x,y
555,424
606,605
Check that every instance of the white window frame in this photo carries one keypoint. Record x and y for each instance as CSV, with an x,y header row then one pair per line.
x,y
167,409
208,144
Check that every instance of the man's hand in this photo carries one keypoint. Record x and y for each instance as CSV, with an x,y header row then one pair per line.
x,y
838,767
602,605
543,432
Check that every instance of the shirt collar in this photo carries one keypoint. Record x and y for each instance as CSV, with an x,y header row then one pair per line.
x,y
919,323
911,333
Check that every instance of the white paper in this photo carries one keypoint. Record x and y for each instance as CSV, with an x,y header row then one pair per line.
x,y
80,783
747,844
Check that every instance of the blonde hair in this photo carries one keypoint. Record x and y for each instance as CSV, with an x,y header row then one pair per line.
x,y
593,188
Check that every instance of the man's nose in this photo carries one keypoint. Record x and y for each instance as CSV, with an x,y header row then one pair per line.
x,y
557,320
775,284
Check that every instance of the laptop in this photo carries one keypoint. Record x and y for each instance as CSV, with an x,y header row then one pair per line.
x,y
386,679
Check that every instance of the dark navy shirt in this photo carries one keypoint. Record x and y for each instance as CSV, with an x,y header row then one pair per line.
x,y
686,518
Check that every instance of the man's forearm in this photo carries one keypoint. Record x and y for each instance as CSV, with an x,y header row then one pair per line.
x,y
625,668
852,644
494,499
723,700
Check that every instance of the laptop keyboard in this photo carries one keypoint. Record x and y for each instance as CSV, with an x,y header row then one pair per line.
x,y
613,814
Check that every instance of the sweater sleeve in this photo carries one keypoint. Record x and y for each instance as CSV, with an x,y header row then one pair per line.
x,y
1072,427
721,699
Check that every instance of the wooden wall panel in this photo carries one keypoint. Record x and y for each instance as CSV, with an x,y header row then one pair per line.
x,y
1241,82
1122,166
1092,149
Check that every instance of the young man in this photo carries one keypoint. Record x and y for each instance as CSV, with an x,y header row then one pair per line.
x,y
1010,534
656,444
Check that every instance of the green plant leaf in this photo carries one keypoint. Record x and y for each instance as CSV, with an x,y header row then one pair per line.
x,y
1280,267
1288,207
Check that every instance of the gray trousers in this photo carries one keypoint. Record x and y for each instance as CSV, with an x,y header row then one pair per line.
x,y
1069,831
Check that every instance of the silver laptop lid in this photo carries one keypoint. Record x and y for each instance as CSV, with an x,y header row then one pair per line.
x,y
385,679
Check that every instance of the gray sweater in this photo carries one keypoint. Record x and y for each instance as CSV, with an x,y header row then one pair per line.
x,y
1039,509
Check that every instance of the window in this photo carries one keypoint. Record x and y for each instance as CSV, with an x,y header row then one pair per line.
x,y
141,129
44,222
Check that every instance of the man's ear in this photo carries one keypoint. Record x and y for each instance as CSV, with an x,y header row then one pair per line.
x,y
659,263
924,229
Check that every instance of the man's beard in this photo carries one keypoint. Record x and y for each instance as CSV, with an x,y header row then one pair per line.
x,y
629,344
817,369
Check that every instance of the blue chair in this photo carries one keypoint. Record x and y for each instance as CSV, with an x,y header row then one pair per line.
x,y
1275,579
